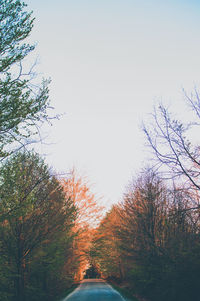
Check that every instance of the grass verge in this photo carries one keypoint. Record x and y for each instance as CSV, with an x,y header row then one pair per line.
x,y
68,291
124,292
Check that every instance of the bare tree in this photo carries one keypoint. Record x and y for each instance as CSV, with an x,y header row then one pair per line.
x,y
169,138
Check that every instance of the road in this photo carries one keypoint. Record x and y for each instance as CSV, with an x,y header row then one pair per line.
x,y
94,290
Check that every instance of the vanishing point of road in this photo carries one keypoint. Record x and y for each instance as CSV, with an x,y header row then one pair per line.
x,y
94,290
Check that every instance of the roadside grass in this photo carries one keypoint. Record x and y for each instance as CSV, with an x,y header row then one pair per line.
x,y
124,292
67,292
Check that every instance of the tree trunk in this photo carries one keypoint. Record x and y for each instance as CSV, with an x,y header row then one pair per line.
x,y
19,283
20,296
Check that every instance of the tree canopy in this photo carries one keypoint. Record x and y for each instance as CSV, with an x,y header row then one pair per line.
x,y
22,105
36,218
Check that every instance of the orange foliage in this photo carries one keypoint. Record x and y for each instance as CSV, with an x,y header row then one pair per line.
x,y
105,253
89,213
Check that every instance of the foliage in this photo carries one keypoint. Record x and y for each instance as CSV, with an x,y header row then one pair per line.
x,y
152,244
36,222
50,231
22,105
104,252
88,215
36,216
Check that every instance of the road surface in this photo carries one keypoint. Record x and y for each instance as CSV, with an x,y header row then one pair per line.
x,y
94,290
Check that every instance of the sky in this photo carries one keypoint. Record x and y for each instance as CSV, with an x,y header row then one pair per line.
x,y
110,62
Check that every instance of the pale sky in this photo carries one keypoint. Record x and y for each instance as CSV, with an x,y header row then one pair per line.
x,y
110,61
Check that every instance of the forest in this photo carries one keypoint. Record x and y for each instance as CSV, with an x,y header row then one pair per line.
x,y
53,230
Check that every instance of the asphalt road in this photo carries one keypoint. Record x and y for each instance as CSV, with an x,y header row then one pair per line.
x,y
94,290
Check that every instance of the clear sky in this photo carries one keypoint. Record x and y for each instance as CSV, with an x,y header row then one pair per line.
x,y
110,61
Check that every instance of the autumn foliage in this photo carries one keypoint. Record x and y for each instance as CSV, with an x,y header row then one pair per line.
x,y
149,242
88,216
53,232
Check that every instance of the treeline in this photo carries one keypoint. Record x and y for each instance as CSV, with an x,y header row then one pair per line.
x,y
150,241
44,231
44,221
36,234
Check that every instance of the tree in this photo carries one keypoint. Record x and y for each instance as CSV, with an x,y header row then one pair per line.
x,y
143,214
35,216
159,240
22,105
150,241
88,215
105,252
77,188
169,140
